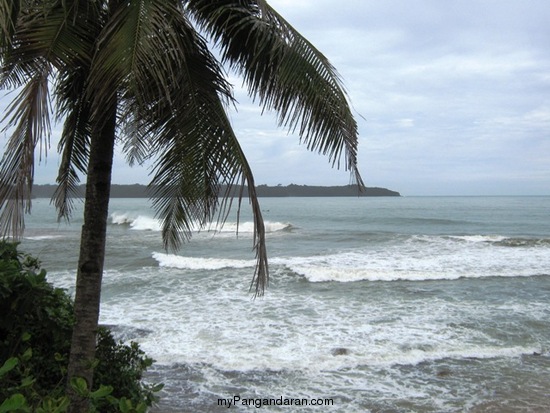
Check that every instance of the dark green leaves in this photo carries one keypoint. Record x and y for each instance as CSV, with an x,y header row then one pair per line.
x,y
285,73
148,57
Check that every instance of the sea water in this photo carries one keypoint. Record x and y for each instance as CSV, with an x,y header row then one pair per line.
x,y
405,304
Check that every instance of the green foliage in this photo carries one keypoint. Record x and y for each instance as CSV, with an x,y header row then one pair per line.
x,y
23,393
122,366
36,322
15,403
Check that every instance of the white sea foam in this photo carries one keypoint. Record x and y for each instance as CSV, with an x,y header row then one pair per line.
x,y
147,223
138,223
248,227
478,238
194,263
142,223
118,218
424,258
210,338
43,237
297,332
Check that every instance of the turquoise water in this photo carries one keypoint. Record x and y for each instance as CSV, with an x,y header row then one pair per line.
x,y
413,304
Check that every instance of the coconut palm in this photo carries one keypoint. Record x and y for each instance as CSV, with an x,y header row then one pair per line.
x,y
139,74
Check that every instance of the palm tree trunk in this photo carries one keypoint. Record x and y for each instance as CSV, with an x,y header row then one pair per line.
x,y
91,259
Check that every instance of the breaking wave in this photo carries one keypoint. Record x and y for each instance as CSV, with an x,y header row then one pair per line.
x,y
194,263
147,223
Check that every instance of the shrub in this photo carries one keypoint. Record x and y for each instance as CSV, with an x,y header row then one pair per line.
x,y
36,322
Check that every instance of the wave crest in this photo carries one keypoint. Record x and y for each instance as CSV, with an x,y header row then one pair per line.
x,y
502,241
146,223
425,258
194,263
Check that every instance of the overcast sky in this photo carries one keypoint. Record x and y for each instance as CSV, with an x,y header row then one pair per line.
x,y
452,98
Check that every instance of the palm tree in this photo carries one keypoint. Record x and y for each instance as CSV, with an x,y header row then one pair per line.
x,y
140,74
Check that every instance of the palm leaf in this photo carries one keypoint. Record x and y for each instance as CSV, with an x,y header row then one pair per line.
x,y
9,11
61,35
172,101
155,85
204,157
74,147
129,63
73,105
47,33
28,115
285,73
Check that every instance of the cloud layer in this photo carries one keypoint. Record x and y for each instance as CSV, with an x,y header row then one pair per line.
x,y
452,97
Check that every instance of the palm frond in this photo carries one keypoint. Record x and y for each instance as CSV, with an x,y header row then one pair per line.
x,y
9,11
137,46
204,157
286,73
173,104
79,24
47,33
74,143
74,147
28,116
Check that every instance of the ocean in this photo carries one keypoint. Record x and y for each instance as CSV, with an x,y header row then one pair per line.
x,y
398,304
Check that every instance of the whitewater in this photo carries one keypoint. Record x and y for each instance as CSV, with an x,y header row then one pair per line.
x,y
405,304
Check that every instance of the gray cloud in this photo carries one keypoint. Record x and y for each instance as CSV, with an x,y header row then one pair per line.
x,y
455,93
452,97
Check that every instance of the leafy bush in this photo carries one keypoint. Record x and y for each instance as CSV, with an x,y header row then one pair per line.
x,y
31,308
122,366
36,322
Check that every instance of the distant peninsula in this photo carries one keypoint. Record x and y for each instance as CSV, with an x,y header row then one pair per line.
x,y
292,190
